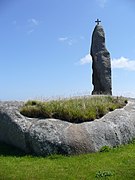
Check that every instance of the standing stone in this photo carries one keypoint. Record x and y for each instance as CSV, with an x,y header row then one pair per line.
x,y
101,63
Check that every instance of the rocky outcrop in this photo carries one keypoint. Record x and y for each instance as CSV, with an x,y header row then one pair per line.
x,y
101,63
13,126
53,136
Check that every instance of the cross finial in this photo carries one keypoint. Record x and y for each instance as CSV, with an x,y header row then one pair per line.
x,y
97,21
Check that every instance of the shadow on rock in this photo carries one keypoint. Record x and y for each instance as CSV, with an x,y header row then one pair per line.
x,y
8,150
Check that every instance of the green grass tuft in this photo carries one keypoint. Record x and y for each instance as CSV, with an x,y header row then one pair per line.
x,y
75,110
103,174
105,149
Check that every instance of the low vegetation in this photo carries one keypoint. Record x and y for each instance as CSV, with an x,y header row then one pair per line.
x,y
75,110
117,163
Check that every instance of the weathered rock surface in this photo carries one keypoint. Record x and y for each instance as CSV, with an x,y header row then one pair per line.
x,y
101,63
52,136
13,126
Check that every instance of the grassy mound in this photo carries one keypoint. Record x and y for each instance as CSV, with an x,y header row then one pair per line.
x,y
75,110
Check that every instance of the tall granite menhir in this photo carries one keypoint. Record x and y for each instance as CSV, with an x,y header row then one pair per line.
x,y
101,63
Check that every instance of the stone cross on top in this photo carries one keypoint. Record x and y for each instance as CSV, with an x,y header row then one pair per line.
x,y
97,21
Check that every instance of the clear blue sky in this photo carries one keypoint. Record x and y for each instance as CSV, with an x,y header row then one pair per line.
x,y
45,45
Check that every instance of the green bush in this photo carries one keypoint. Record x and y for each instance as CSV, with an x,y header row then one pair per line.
x,y
75,110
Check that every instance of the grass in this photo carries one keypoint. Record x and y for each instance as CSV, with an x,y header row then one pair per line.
x,y
75,110
117,163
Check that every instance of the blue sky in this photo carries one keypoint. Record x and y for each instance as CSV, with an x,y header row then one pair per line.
x,y
45,46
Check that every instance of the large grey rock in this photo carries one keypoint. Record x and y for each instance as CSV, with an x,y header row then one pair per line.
x,y
53,136
14,126
101,63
